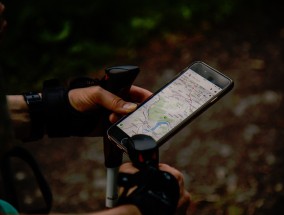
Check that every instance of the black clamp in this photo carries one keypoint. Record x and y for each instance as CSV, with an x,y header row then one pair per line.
x,y
157,191
143,151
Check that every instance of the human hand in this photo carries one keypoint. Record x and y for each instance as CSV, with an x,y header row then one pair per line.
x,y
91,98
184,197
95,98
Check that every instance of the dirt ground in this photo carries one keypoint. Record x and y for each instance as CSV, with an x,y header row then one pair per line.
x,y
231,156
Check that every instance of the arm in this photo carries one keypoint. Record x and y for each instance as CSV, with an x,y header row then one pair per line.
x,y
120,210
81,99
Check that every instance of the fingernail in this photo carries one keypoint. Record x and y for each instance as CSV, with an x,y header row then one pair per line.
x,y
130,106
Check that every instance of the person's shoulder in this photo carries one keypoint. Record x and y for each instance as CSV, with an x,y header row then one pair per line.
x,y
6,208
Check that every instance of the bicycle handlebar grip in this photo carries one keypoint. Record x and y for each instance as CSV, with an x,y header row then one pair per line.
x,y
117,80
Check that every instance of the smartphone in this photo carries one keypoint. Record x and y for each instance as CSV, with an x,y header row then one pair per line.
x,y
173,106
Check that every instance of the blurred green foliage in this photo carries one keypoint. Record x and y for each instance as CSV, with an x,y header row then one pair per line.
x,y
61,38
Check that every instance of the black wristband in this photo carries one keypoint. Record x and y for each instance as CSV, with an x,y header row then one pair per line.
x,y
34,102
60,118
55,109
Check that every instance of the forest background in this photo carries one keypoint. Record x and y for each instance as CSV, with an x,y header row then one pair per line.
x,y
231,156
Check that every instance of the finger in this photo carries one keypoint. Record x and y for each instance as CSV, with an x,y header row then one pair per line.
x,y
128,168
107,99
112,102
177,174
114,117
183,204
168,168
184,199
138,94
84,99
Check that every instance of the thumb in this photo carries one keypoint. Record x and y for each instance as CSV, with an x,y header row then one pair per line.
x,y
118,105
112,102
84,99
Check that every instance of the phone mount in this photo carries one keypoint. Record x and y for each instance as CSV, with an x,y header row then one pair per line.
x,y
156,191
143,151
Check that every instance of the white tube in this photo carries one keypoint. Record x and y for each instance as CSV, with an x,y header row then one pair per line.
x,y
111,187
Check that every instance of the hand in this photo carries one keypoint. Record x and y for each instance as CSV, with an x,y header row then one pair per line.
x,y
184,199
94,100
91,98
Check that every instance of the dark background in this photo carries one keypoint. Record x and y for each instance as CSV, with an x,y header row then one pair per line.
x,y
231,156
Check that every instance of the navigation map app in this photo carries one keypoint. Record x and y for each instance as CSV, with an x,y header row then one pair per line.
x,y
170,106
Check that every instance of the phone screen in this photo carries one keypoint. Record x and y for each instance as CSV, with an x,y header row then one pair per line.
x,y
170,106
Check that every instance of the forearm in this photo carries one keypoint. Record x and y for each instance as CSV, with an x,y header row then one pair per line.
x,y
19,114
120,210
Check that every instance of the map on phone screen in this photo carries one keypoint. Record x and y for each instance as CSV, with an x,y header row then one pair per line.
x,y
170,106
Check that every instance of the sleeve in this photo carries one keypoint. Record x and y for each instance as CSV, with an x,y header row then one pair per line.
x,y
6,208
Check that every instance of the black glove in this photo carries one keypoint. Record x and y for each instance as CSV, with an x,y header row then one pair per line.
x,y
60,118
52,113
157,192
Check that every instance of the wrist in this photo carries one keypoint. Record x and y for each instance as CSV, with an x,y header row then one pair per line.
x,y
128,209
121,210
